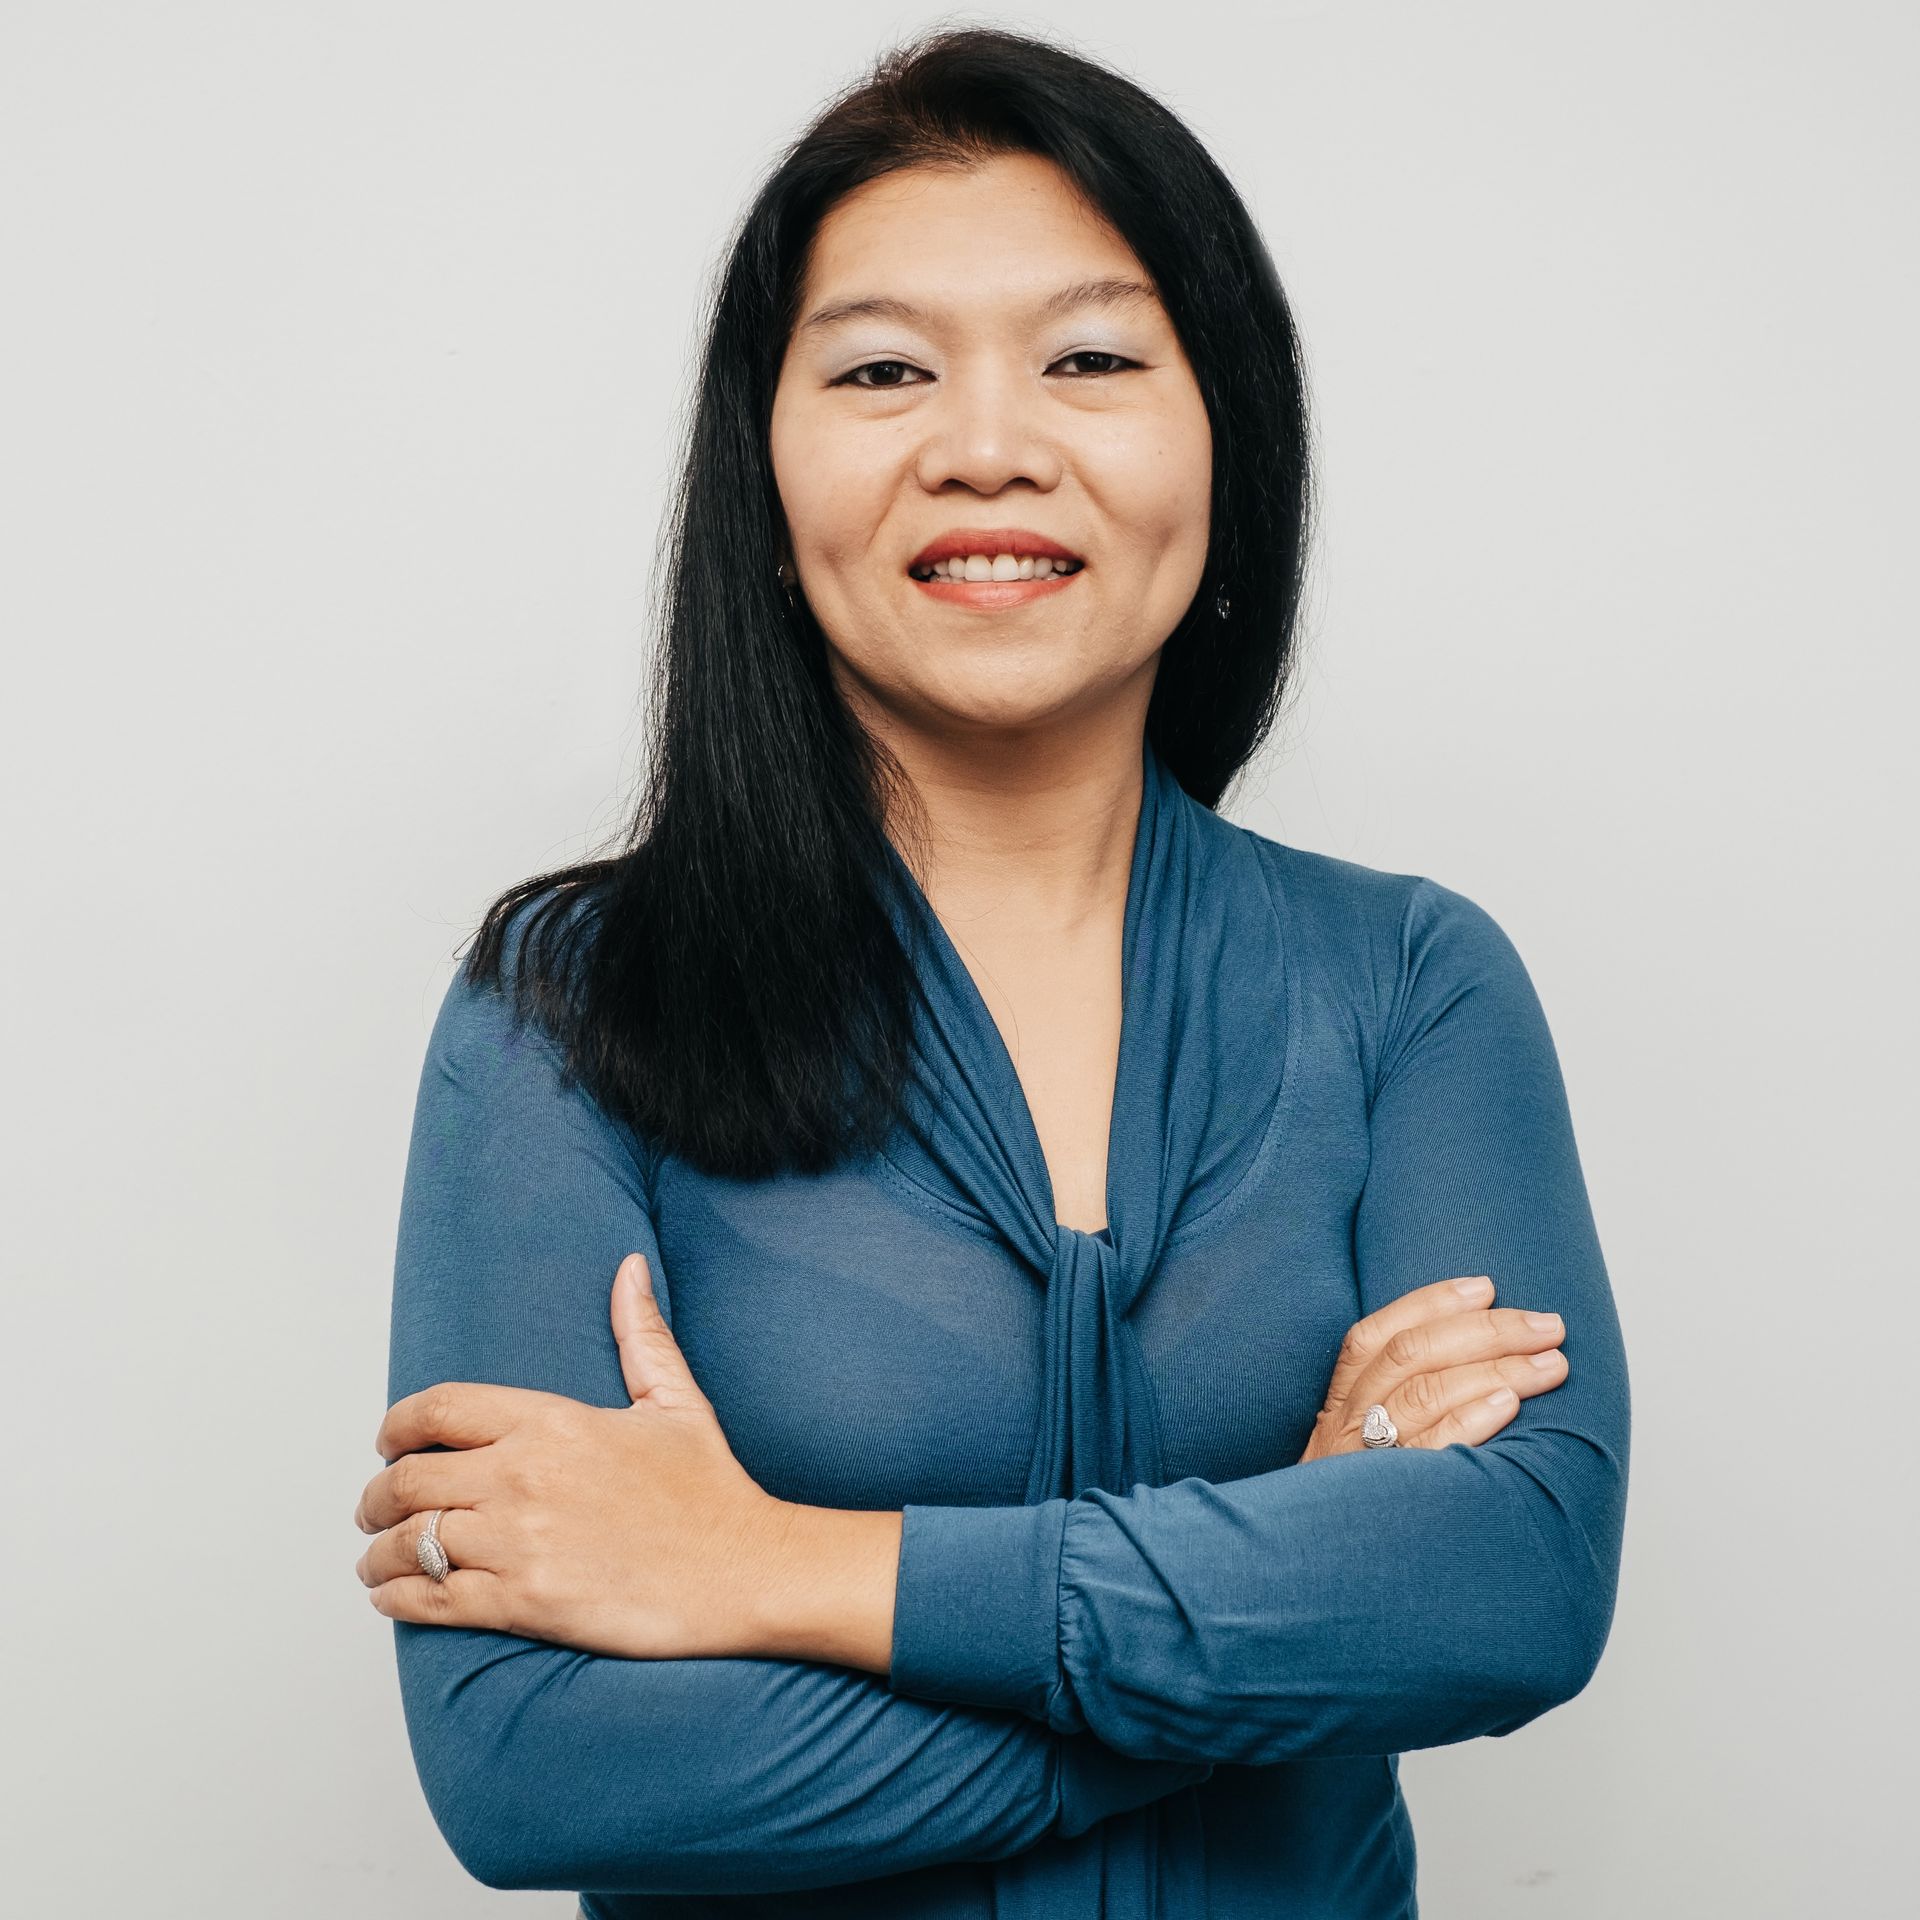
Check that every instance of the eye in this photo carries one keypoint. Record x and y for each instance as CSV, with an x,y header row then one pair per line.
x,y
1096,353
873,386
852,378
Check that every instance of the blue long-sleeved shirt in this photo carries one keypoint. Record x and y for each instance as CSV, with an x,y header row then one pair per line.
x,y
1144,1662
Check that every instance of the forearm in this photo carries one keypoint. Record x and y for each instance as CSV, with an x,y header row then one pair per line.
x,y
545,1767
1368,1603
829,1591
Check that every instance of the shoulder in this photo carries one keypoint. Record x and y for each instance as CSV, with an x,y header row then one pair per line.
x,y
482,1007
497,1059
504,1012
1401,949
1373,913
1375,916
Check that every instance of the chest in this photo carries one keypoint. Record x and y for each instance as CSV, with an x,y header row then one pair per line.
x,y
864,1348
1061,1030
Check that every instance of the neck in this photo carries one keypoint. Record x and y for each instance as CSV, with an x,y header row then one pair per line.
x,y
1014,830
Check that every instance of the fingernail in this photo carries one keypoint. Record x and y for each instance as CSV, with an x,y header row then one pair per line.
x,y
1502,1397
1544,1322
1475,1288
1551,1358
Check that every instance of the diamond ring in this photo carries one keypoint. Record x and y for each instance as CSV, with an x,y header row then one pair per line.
x,y
428,1550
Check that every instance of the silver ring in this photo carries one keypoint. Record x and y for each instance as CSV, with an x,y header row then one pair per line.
x,y
1377,1430
428,1550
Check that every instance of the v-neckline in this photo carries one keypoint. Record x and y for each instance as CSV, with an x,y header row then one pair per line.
x,y
996,1040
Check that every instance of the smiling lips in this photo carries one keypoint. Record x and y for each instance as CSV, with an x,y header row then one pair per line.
x,y
993,566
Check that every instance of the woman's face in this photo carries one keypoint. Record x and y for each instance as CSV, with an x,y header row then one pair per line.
x,y
965,398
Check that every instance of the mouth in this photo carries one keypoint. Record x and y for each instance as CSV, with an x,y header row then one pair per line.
x,y
1032,579
990,569
973,556
1000,568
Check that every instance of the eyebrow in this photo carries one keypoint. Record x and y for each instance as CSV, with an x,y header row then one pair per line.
x,y
1110,292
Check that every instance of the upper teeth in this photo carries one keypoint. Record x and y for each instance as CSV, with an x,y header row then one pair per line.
x,y
996,566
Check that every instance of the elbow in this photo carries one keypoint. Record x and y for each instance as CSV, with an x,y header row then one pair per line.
x,y
1561,1577
503,1869
1580,1644
518,1862
456,1806
515,1841
479,1822
516,1834
509,1872
496,1795
1529,1641
1561,1675
1529,1654
511,1747
1559,1653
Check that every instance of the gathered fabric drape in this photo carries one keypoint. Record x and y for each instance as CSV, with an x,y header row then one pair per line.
x,y
1198,915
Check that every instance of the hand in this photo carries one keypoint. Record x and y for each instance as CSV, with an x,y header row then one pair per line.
x,y
1431,1358
629,1531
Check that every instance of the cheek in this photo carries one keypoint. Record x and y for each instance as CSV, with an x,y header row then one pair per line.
x,y
805,492
1188,470
830,491
1158,487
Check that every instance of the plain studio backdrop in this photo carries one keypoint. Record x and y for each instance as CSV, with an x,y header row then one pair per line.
x,y
342,354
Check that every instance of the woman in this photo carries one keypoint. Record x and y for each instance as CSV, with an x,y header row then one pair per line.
x,y
1050,1447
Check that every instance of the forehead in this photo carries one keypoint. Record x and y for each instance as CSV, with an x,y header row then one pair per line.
x,y
998,237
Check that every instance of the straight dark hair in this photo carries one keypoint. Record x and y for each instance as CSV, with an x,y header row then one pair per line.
x,y
730,981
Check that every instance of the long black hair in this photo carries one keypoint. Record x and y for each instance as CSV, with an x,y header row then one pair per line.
x,y
729,981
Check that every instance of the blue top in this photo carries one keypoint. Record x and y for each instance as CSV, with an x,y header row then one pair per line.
x,y
1144,1663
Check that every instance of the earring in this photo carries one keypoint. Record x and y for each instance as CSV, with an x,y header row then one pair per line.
x,y
1220,601
786,585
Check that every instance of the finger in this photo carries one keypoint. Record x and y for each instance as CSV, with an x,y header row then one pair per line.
x,y
416,1483
1432,1346
1422,1402
453,1413
1483,1336
467,1597
1478,1421
1365,1338
651,1362
394,1554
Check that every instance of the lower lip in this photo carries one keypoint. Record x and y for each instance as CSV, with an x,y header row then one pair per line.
x,y
991,595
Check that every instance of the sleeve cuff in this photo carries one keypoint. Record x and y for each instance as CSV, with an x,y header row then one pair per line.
x,y
976,1612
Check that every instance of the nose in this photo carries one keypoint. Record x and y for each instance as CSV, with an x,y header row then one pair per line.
x,y
986,429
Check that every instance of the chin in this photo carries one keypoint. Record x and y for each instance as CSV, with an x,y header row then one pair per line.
x,y
1012,710
993,689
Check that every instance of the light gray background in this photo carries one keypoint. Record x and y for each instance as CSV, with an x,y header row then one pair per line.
x,y
343,345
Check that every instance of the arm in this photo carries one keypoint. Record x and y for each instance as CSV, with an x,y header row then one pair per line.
x,y
1365,1603
548,1767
